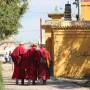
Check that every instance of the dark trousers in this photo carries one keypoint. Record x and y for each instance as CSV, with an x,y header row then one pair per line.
x,y
22,81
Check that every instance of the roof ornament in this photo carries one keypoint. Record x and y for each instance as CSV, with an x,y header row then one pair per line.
x,y
56,8
77,3
68,2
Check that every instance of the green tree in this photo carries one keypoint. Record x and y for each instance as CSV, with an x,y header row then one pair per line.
x,y
10,13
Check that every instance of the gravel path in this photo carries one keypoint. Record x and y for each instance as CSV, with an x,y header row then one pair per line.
x,y
51,84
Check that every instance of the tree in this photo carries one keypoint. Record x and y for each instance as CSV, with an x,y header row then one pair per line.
x,y
10,13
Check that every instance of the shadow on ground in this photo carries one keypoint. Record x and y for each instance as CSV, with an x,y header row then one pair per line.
x,y
63,84
60,84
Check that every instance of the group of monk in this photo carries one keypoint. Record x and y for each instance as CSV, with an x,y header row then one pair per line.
x,y
32,64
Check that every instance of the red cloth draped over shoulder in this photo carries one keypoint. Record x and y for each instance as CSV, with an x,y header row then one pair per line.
x,y
17,55
33,57
45,53
19,50
43,67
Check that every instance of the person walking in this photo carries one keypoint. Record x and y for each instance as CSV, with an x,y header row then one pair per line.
x,y
6,56
44,65
33,56
17,57
10,58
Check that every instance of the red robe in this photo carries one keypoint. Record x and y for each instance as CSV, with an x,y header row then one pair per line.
x,y
33,56
43,67
17,56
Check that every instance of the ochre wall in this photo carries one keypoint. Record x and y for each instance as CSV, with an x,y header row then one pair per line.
x,y
85,10
69,45
48,41
71,53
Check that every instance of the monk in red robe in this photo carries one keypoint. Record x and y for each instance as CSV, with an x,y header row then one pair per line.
x,y
33,57
44,63
17,57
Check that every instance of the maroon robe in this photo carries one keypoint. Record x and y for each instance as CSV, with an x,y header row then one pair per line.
x,y
43,70
17,57
33,57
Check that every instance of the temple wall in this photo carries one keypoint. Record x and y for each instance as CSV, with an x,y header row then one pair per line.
x,y
48,42
71,53
69,44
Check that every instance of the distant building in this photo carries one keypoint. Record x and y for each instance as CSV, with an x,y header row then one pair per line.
x,y
7,46
85,10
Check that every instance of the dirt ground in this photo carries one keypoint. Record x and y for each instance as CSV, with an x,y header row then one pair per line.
x,y
51,84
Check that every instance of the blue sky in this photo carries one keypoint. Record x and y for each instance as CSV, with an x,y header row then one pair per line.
x,y
31,19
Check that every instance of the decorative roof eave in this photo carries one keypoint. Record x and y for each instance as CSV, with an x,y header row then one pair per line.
x,y
66,27
55,15
69,25
45,26
85,3
72,27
